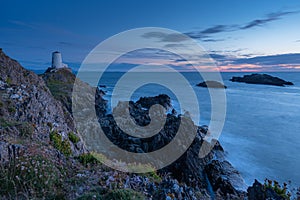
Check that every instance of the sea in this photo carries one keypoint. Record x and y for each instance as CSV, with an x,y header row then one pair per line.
x,y
261,134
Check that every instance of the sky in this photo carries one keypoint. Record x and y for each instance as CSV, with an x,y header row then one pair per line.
x,y
239,35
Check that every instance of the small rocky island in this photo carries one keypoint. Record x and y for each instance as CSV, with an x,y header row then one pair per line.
x,y
211,84
264,79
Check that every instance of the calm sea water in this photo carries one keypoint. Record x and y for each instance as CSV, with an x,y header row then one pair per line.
x,y
262,129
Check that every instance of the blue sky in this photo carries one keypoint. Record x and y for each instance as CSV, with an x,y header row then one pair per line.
x,y
240,35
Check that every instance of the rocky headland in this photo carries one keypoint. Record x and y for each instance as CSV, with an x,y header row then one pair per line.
x,y
43,155
264,79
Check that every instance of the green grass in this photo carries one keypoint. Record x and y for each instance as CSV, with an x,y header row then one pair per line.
x,y
87,158
123,194
73,138
61,91
33,176
5,123
24,128
61,145
57,88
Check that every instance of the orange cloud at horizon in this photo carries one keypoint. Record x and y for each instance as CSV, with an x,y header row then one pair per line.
x,y
240,68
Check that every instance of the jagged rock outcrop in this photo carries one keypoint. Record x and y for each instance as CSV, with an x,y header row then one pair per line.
x,y
261,79
189,168
224,178
162,99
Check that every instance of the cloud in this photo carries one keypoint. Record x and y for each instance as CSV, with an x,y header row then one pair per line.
x,y
226,63
271,59
214,29
204,35
164,37
213,40
23,24
180,60
66,43
228,51
243,68
174,45
219,57
280,62
270,17
218,29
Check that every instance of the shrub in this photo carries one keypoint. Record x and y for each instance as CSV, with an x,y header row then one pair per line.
x,y
8,80
73,138
124,194
87,158
91,195
11,109
61,145
150,174
274,185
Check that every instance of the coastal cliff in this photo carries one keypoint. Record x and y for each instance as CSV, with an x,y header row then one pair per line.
x,y
43,155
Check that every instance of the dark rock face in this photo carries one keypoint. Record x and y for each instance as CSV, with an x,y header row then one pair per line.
x,y
224,177
142,118
162,99
211,84
100,103
261,79
189,168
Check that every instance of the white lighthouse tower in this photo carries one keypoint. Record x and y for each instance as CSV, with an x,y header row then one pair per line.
x,y
57,61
